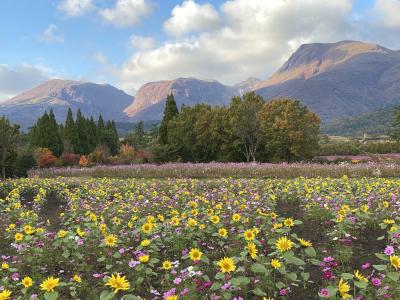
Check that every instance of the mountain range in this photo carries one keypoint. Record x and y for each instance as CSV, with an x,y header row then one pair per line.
x,y
336,80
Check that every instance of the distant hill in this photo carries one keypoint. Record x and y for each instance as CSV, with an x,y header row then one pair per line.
x,y
60,95
150,99
338,80
377,122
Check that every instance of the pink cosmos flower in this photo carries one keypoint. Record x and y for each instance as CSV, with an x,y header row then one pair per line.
x,y
389,250
324,293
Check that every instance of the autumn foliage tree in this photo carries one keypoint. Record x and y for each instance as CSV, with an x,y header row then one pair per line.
x,y
290,129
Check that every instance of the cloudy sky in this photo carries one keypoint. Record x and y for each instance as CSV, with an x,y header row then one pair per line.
x,y
129,42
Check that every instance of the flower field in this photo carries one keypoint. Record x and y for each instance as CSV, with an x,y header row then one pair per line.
x,y
319,238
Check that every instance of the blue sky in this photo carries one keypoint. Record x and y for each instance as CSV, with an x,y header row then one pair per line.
x,y
129,42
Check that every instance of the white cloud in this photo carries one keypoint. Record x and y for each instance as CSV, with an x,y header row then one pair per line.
x,y
51,35
127,12
14,80
74,8
256,38
191,17
141,42
389,12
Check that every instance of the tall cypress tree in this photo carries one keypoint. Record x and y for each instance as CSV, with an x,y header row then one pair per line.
x,y
92,134
100,129
82,134
56,143
70,134
170,112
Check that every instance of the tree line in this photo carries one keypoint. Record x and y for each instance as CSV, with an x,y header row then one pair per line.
x,y
249,129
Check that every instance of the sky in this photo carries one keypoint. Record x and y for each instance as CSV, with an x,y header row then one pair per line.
x,y
127,43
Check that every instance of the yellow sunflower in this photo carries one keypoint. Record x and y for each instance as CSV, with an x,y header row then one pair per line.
x,y
195,254
344,288
166,265
227,265
49,284
118,283
4,295
222,232
252,249
249,235
110,240
284,244
276,264
395,261
27,282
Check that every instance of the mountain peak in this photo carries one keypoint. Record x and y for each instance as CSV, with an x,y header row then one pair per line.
x,y
312,59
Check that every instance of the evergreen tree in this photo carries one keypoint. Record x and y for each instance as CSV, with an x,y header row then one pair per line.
x,y
100,129
92,134
83,146
395,130
111,138
8,143
70,134
170,112
46,134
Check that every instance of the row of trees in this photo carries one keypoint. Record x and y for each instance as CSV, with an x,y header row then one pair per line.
x,y
249,129
80,137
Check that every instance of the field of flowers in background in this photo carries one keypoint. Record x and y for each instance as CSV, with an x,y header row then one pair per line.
x,y
77,238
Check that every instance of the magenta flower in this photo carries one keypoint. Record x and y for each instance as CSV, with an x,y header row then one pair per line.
x,y
376,281
366,265
283,292
328,259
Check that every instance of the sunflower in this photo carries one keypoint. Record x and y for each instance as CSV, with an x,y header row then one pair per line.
x,y
145,243
172,297
18,236
166,265
276,264
222,232
360,276
214,219
5,266
283,244
305,243
77,278
192,222
49,284
277,225
395,261
288,222
110,240
4,295
252,249
236,217
118,283
144,258
227,265
195,254
344,288
27,282
146,228
249,235
62,233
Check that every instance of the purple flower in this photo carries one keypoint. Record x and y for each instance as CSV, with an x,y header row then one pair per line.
x,y
283,292
184,292
226,286
34,296
15,276
324,293
376,281
389,250
133,263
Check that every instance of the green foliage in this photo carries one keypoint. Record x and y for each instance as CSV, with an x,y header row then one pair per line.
x,y
290,129
395,131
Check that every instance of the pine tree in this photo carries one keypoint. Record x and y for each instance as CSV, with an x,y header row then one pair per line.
x,y
70,134
170,112
56,144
